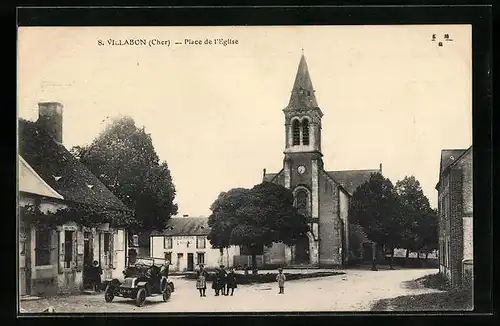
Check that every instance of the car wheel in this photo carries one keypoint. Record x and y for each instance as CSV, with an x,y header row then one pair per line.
x,y
140,297
108,294
166,294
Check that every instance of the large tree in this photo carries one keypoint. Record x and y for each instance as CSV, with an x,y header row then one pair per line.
x,y
124,159
255,217
376,208
419,222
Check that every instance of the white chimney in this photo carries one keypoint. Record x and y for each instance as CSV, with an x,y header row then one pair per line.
x,y
50,119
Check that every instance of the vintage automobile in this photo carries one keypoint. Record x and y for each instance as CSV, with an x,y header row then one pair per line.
x,y
144,277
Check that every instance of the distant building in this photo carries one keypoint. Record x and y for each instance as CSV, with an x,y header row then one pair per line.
x,y
55,259
455,214
322,196
184,243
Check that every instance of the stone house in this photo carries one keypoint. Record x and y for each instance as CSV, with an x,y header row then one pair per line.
x,y
55,259
184,243
455,210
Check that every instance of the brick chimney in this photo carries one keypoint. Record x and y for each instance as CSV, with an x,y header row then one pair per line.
x,y
50,119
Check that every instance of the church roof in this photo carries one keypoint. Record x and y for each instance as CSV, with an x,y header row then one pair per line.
x,y
302,92
61,170
185,226
352,179
269,176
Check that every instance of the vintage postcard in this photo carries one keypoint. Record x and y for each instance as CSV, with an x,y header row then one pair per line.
x,y
245,169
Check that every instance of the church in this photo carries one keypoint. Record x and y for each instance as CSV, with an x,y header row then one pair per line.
x,y
320,195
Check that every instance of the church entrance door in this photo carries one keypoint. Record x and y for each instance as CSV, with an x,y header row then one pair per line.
x,y
302,251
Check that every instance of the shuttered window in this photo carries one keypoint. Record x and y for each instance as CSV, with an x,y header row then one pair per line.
x,y
68,248
200,242
296,132
42,249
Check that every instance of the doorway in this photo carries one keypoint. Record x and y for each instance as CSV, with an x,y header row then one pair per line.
x,y
190,262
88,258
179,258
302,251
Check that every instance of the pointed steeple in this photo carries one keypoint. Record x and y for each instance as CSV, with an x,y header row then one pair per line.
x,y
302,91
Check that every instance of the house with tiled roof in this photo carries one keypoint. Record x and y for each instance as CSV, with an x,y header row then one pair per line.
x,y
322,196
456,218
56,258
184,244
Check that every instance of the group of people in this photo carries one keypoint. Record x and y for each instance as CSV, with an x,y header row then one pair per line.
x,y
223,281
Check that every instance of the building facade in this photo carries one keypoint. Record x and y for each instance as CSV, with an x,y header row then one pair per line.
x,y
455,209
184,243
322,196
55,260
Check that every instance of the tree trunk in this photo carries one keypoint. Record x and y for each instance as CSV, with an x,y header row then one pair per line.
x,y
391,259
254,263
374,256
426,255
407,256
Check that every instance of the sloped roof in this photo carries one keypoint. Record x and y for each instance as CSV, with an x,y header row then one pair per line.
x,y
448,156
61,170
269,176
302,92
274,177
185,226
351,179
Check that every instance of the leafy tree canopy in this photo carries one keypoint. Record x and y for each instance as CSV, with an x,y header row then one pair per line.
x,y
124,159
255,217
376,208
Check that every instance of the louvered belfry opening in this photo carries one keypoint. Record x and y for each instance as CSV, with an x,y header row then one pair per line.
x,y
296,132
305,132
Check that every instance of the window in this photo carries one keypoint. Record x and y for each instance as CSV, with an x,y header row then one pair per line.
x,y
168,257
135,240
305,132
296,132
200,242
68,248
301,198
200,258
42,254
167,243
106,243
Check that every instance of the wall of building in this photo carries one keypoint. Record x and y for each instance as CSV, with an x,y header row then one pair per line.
x,y
329,222
277,254
184,245
344,216
455,202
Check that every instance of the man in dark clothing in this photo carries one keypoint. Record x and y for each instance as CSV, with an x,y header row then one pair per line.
x,y
231,281
96,272
222,279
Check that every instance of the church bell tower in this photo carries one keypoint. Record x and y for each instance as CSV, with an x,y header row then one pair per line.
x,y
303,158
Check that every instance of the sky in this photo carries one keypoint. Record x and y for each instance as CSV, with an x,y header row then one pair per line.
x,y
389,95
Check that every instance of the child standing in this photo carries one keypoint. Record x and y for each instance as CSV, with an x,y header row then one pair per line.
x,y
281,278
231,281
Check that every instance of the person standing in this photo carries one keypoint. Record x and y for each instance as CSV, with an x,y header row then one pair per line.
x,y
96,276
281,278
222,280
201,280
231,281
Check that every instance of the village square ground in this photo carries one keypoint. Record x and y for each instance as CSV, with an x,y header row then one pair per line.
x,y
356,290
